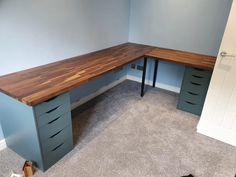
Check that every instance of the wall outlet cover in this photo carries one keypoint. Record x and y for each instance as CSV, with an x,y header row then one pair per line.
x,y
133,66
139,67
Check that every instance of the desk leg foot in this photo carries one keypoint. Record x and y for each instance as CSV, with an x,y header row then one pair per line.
x,y
155,73
144,76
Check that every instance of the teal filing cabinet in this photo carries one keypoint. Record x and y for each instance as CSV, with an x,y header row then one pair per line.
x,y
193,90
42,133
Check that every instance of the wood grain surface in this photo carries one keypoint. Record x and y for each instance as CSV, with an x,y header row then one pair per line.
x,y
39,84
181,57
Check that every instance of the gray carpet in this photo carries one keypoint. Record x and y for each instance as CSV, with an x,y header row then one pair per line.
x,y
122,135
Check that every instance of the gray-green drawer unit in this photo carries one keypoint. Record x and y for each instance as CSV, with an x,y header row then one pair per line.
x,y
194,89
42,133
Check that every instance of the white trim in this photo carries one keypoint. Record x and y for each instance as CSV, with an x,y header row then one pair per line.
x,y
219,133
98,92
158,85
82,101
3,144
104,89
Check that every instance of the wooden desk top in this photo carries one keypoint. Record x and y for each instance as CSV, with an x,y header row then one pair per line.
x,y
181,57
39,84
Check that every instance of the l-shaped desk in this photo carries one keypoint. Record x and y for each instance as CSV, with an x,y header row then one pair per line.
x,y
35,103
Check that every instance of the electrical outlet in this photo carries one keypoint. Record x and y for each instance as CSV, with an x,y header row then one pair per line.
x,y
133,66
139,67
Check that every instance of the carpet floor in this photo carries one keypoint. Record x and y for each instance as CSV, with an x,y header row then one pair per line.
x,y
120,134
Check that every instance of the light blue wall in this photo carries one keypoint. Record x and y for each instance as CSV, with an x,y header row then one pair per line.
x,y
38,32
1,134
190,25
92,86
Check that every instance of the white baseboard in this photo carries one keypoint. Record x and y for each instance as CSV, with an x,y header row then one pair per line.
x,y
218,133
81,101
158,85
104,89
3,144
113,84
98,92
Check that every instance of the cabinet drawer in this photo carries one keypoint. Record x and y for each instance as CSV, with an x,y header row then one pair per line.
x,y
57,153
190,107
60,137
197,79
192,97
47,118
197,88
53,127
194,89
198,72
52,104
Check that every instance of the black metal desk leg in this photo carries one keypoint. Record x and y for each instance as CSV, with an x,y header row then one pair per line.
x,y
144,76
155,73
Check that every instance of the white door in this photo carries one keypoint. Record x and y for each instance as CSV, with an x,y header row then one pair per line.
x,y
218,118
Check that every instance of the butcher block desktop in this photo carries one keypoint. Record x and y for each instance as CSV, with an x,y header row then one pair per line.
x,y
36,85
185,58
35,103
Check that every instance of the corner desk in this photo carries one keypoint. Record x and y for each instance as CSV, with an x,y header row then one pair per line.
x,y
35,109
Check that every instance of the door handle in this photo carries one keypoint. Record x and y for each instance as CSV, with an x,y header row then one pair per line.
x,y
225,57
225,54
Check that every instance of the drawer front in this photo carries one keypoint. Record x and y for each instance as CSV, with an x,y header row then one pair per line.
x,y
60,137
57,153
190,107
49,117
52,104
196,88
197,79
192,97
52,128
198,72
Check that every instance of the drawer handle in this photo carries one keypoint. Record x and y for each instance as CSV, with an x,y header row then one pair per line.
x,y
56,134
190,103
198,69
57,147
54,120
194,83
53,109
199,77
191,93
